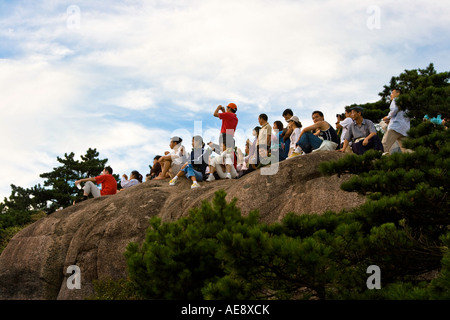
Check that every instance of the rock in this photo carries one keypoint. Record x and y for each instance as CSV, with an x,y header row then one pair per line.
x,y
94,234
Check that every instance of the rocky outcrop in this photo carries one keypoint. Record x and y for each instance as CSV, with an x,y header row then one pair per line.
x,y
93,235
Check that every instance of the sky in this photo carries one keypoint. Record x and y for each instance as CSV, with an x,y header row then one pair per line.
x,y
125,76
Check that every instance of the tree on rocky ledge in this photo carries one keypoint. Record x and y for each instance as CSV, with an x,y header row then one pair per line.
x,y
215,253
58,189
424,91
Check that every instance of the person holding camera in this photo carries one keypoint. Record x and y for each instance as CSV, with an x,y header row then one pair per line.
x,y
228,117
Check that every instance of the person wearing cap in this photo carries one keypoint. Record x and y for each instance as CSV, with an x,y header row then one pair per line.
x,y
294,125
195,168
171,162
228,117
361,133
227,130
309,141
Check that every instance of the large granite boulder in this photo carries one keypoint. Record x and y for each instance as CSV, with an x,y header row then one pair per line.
x,y
93,234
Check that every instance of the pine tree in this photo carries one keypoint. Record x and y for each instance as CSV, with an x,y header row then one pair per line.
x,y
60,188
215,253
178,258
24,204
424,91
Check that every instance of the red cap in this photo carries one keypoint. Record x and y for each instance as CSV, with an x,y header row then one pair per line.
x,y
232,106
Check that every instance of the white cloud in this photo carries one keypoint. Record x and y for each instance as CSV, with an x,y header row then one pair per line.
x,y
163,62
140,99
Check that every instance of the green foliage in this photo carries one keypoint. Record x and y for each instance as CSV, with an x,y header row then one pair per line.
x,y
10,224
440,287
178,258
215,253
58,191
411,186
109,289
6,234
424,91
60,182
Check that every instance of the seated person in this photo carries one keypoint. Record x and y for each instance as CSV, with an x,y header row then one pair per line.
x,y
287,114
195,168
362,133
135,178
253,150
155,169
277,144
322,131
172,161
294,125
343,124
106,179
242,166
225,160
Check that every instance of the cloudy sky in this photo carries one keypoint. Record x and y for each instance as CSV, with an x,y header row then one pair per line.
x,y
124,76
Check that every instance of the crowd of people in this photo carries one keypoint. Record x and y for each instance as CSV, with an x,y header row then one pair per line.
x,y
271,143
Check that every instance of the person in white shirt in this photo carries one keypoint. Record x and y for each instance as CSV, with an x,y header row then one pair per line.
x,y
264,139
344,124
135,178
398,124
295,126
224,163
172,162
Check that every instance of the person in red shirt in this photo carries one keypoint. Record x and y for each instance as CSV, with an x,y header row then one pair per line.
x,y
228,117
229,123
106,179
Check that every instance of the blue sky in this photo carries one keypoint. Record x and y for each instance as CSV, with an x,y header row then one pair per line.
x,y
124,76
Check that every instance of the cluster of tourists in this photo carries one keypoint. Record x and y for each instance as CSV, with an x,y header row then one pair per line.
x,y
207,161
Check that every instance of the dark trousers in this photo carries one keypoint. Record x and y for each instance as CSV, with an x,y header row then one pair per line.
x,y
374,143
309,142
284,153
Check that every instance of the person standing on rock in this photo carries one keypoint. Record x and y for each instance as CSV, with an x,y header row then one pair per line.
x,y
398,125
107,181
264,139
229,122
